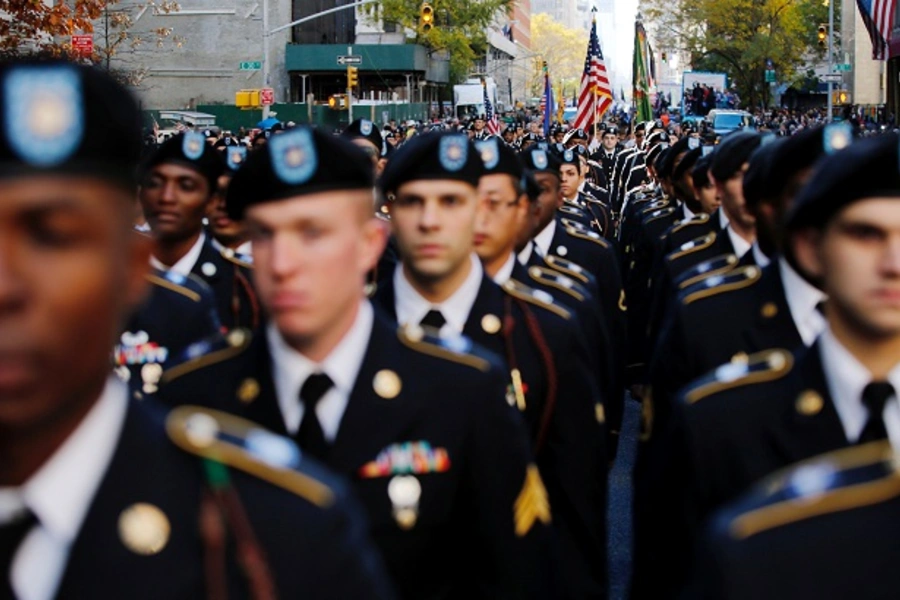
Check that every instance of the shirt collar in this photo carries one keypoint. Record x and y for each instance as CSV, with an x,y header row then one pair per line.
x,y
846,378
802,299
187,262
723,218
544,239
688,213
525,254
505,272
75,470
741,246
290,368
762,261
412,307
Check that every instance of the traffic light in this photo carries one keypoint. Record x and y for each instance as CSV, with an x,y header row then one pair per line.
x,y
352,77
426,17
840,97
823,35
337,102
247,98
664,56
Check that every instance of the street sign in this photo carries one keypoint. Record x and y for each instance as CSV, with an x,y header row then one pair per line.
x,y
843,67
250,65
267,96
770,76
351,59
832,77
83,44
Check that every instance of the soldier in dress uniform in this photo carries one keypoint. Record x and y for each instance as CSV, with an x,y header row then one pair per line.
x,y
102,496
178,185
753,416
608,151
179,310
442,284
228,234
845,227
364,133
419,425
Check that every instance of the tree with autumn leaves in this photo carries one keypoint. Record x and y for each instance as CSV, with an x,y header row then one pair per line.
x,y
742,38
36,27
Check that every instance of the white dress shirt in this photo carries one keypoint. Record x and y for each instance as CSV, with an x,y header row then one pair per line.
x,y
802,299
290,369
741,246
506,270
846,379
412,307
525,254
723,218
762,261
186,262
688,213
545,238
60,494
245,249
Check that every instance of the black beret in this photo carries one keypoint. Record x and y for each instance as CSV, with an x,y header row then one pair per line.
x,y
532,189
686,163
700,172
654,152
802,150
537,160
733,152
365,129
575,134
610,130
299,162
656,137
60,117
569,156
640,127
188,149
666,164
436,155
758,172
866,169
499,158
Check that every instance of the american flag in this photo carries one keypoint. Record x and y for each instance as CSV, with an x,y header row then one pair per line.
x,y
595,96
490,117
878,16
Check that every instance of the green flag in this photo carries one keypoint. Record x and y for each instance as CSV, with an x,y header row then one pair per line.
x,y
641,75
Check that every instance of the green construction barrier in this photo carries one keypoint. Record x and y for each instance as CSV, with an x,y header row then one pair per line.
x,y
233,118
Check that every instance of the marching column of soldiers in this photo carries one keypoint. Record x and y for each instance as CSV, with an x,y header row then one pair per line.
x,y
351,366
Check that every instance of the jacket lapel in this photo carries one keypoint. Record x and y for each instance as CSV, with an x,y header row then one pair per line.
x,y
809,424
265,409
772,324
372,421
145,470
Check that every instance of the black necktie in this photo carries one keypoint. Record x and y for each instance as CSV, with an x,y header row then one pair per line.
x,y
310,436
874,397
11,536
820,307
433,318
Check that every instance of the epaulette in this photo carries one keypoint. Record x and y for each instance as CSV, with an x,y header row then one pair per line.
x,y
567,223
458,349
209,352
539,298
655,205
695,245
735,279
699,219
586,234
837,481
714,266
658,214
163,280
569,209
557,280
228,440
567,267
241,260
767,365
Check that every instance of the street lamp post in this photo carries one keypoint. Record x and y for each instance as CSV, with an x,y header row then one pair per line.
x,y
830,59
